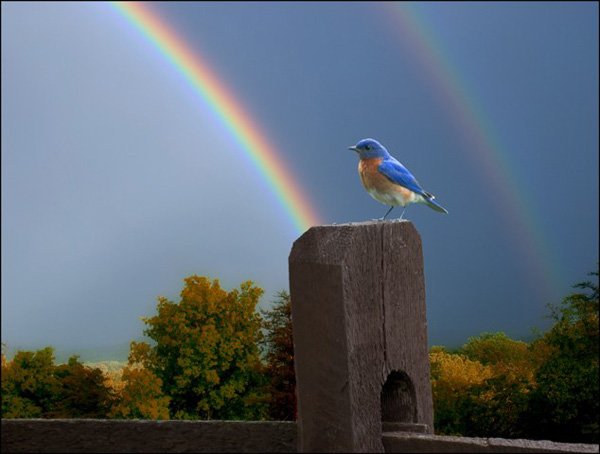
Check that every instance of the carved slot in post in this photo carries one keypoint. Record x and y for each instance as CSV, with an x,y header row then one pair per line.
x,y
398,400
399,405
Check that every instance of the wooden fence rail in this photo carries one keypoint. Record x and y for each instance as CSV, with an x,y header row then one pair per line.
x,y
113,436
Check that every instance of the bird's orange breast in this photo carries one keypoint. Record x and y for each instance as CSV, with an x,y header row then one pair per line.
x,y
369,175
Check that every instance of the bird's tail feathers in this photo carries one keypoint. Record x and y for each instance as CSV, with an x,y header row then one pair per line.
x,y
434,205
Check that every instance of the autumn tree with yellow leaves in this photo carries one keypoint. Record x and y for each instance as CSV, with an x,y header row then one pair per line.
x,y
452,378
139,392
205,351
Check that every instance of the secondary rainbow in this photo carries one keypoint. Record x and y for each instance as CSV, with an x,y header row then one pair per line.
x,y
227,109
483,146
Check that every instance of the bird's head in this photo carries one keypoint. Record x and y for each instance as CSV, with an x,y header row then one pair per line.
x,y
369,148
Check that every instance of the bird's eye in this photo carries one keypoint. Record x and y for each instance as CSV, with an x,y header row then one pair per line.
x,y
367,147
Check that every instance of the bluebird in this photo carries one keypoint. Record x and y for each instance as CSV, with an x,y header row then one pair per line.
x,y
387,180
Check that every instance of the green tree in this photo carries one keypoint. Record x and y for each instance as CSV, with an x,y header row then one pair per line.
x,y
453,378
279,348
564,407
82,393
496,407
483,389
29,386
206,353
494,348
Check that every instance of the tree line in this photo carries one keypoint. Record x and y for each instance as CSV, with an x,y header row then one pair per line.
x,y
213,355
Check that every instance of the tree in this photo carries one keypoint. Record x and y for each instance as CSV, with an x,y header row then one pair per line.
x,y
565,404
494,348
513,360
547,389
279,348
82,392
452,378
141,395
206,353
482,390
34,387
29,387
496,407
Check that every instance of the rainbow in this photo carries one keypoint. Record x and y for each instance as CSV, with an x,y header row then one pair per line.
x,y
227,110
482,144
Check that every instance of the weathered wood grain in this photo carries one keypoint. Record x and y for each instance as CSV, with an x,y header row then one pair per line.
x,y
96,435
421,443
90,435
405,315
358,310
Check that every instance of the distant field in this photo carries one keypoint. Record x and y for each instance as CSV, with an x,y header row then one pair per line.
x,y
107,366
106,354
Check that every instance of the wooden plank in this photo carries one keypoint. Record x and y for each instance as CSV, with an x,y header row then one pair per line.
x,y
93,435
97,435
420,443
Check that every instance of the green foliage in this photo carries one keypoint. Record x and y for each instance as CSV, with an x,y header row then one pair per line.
x,y
495,386
496,407
279,346
494,348
29,387
482,391
206,351
453,377
83,392
33,387
565,403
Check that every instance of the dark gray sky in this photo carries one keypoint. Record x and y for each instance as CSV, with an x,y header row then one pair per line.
x,y
118,181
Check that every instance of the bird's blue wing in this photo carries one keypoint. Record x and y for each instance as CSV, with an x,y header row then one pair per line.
x,y
397,173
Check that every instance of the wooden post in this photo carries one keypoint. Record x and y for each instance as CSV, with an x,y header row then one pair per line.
x,y
360,335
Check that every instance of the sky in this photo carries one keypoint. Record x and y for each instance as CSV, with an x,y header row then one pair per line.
x,y
120,179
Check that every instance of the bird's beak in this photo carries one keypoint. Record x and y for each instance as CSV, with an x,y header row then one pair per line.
x,y
353,148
